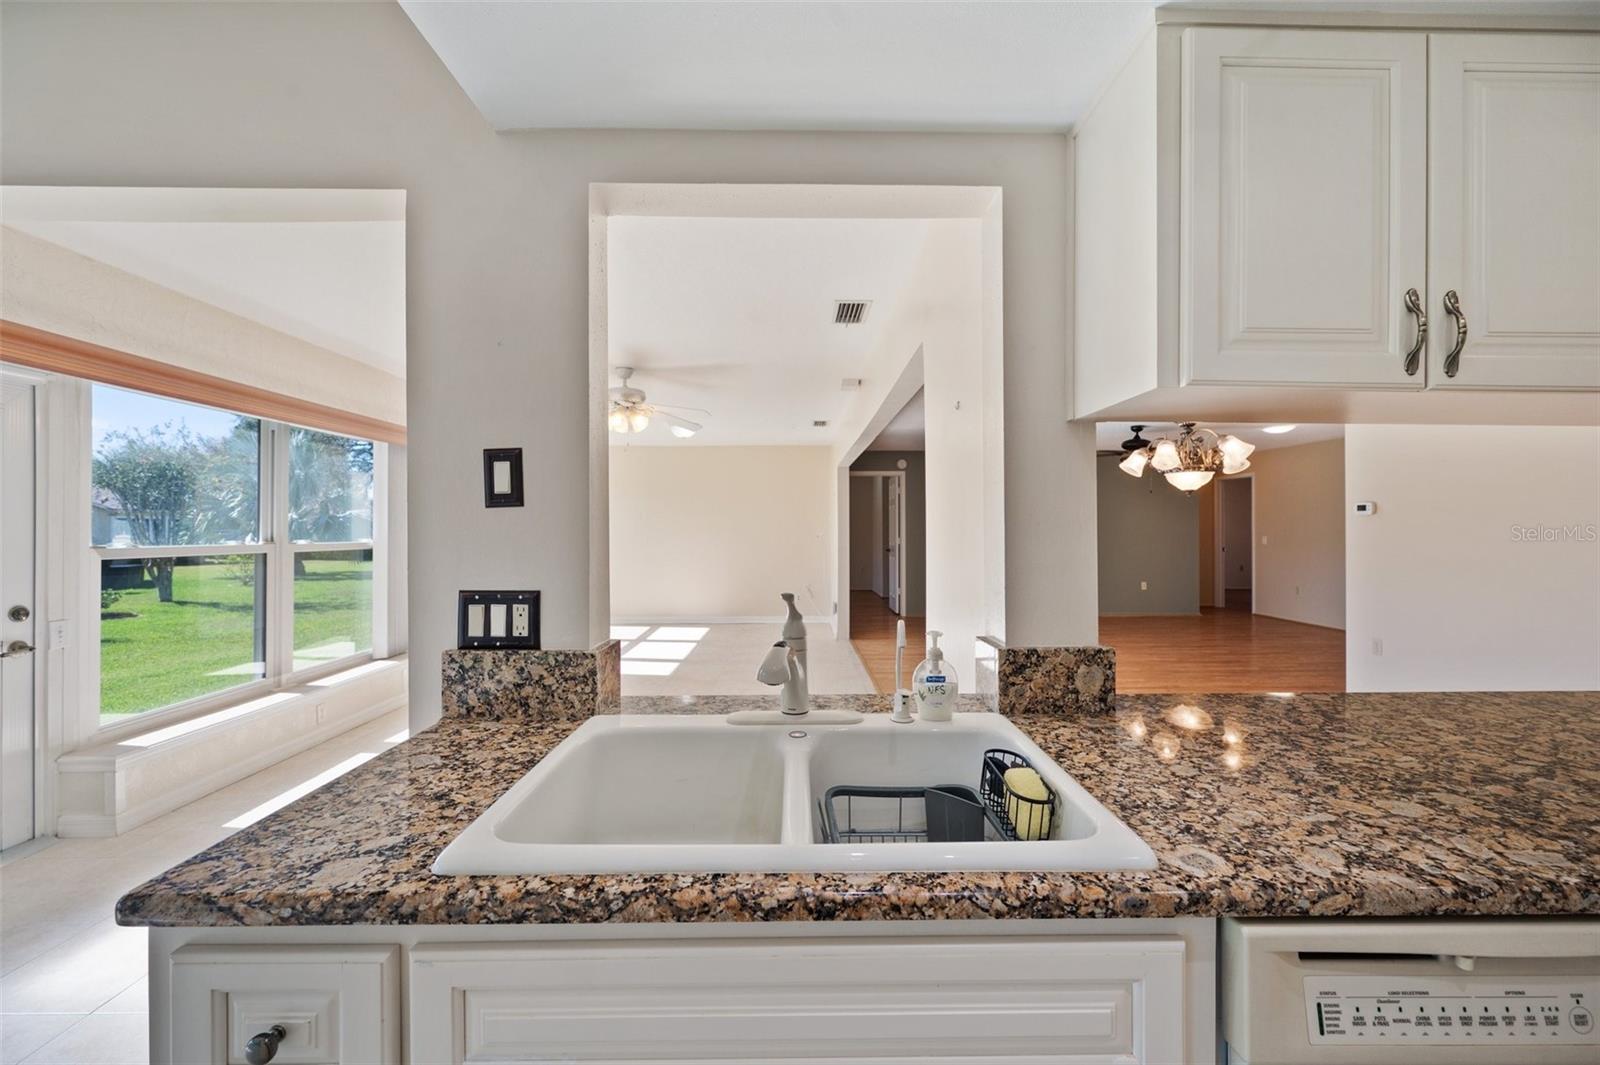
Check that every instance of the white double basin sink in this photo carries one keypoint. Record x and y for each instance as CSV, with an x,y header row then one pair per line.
x,y
701,794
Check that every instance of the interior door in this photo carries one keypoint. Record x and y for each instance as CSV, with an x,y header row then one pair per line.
x,y
893,548
1514,199
1305,206
17,622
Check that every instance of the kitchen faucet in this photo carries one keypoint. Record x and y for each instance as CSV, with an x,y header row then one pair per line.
x,y
785,664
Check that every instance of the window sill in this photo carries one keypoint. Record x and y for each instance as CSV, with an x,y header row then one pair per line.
x,y
111,786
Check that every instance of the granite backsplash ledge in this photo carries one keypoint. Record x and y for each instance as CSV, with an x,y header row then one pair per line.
x,y
1046,680
504,683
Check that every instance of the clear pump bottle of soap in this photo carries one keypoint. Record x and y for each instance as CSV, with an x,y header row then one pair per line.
x,y
935,684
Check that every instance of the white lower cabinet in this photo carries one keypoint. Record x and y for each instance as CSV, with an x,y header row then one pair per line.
x,y
947,1000
336,1005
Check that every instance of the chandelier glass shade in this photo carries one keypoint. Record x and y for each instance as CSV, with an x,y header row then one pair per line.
x,y
1191,461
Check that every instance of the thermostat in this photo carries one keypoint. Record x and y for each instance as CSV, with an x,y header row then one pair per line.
x,y
1366,508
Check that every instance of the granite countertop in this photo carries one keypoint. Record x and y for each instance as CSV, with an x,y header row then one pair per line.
x,y
1353,805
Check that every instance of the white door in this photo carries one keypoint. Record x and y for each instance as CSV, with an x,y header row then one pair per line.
x,y
1514,203
892,539
1305,206
17,621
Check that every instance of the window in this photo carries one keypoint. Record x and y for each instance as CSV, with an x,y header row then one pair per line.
x,y
205,584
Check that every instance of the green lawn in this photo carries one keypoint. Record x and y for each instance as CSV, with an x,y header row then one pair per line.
x,y
204,640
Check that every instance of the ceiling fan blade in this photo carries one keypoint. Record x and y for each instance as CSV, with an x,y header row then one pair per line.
x,y
675,419
679,406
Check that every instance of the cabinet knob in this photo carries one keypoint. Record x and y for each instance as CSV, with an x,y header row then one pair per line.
x,y
1452,307
1414,356
263,1046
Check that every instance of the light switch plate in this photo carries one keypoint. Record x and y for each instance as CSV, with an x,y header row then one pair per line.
x,y
497,619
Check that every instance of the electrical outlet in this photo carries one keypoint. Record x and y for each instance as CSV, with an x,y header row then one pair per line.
x,y
497,619
1144,586
1377,647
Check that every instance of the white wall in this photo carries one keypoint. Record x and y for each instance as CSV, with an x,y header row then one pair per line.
x,y
348,95
49,287
940,323
715,533
1480,569
1299,532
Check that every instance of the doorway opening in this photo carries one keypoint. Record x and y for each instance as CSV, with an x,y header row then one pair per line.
x,y
753,349
1235,559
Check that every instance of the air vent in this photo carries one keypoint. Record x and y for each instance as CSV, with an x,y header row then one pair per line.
x,y
819,424
850,384
850,312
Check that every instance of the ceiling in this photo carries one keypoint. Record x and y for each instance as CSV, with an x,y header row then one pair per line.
x,y
324,266
1108,436
782,65
735,316
906,431
338,285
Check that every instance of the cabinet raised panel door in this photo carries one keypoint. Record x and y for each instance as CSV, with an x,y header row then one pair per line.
x,y
1514,200
1305,206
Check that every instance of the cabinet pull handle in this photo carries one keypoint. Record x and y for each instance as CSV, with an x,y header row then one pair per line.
x,y
263,1046
1414,356
1452,307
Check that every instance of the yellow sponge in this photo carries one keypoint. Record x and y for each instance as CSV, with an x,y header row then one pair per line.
x,y
1032,819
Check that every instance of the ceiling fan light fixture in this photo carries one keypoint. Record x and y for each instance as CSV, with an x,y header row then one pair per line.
x,y
1135,463
638,421
1165,457
618,420
1234,449
1188,480
1230,466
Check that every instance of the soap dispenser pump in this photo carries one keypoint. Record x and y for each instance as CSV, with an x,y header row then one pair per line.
x,y
935,684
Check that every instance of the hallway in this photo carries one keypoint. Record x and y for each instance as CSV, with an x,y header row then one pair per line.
x,y
872,629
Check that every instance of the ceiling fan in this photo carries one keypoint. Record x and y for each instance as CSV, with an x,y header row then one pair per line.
x,y
631,411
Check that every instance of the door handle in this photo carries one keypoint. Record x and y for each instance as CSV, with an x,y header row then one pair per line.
x,y
15,648
1452,307
1414,356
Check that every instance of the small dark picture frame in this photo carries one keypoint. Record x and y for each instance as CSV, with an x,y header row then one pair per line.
x,y
502,477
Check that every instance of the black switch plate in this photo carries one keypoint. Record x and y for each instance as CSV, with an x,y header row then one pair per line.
x,y
502,477
490,619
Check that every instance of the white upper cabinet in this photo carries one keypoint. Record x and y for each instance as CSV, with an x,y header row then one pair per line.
x,y
1304,160
1514,209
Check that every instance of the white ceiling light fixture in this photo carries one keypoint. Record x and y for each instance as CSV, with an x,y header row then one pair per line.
x,y
1191,461
1276,429
631,412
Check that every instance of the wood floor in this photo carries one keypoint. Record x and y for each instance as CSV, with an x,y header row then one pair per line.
x,y
1224,650
872,628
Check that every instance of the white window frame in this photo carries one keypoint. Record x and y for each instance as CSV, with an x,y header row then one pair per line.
x,y
279,552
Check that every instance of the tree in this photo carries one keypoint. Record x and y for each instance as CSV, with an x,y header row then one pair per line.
x,y
176,488
330,488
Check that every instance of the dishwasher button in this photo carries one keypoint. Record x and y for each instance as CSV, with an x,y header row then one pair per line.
x,y
1582,1020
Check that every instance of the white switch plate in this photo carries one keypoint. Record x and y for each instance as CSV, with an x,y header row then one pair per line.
x,y
497,619
1144,586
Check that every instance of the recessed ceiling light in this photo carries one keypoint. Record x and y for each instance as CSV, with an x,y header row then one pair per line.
x,y
1276,429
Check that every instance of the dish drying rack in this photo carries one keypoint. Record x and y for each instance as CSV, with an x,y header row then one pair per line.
x,y
860,813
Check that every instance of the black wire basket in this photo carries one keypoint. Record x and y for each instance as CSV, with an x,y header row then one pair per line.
x,y
1019,816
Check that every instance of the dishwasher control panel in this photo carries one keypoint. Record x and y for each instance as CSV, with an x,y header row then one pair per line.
x,y
1451,1011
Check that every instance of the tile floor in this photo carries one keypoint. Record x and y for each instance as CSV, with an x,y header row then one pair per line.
x,y
72,983
722,660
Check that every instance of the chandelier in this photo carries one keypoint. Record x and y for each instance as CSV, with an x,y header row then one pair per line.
x,y
1189,462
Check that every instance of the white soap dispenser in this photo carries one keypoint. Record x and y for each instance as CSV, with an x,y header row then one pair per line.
x,y
935,684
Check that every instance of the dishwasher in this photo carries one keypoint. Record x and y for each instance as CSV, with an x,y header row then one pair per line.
x,y
1401,991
